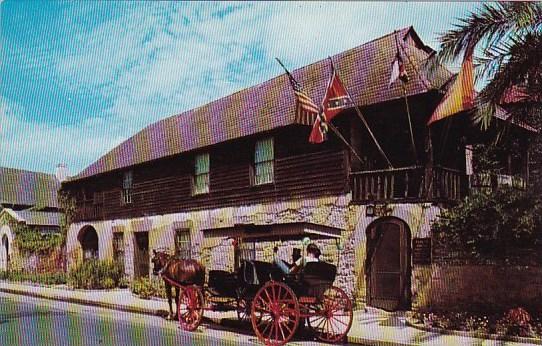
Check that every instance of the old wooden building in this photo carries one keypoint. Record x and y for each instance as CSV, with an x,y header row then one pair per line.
x,y
241,165
27,199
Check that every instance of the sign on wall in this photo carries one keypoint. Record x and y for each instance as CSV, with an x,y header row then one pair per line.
x,y
421,251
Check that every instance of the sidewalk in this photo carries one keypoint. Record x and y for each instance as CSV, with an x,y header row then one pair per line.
x,y
373,327
376,327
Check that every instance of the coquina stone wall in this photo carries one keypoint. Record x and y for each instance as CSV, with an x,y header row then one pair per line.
x,y
210,243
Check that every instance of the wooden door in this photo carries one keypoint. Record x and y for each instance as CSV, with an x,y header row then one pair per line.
x,y
141,254
388,265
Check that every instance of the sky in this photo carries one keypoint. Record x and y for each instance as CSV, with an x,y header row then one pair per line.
x,y
78,78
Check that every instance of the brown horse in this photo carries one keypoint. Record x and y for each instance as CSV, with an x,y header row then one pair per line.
x,y
180,271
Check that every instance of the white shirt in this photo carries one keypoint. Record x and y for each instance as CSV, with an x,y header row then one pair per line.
x,y
308,259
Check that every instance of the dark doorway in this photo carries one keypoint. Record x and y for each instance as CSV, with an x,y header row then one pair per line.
x,y
387,265
141,254
88,238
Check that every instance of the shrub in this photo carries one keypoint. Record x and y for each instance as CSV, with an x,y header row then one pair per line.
x,y
500,226
95,274
516,321
56,278
146,288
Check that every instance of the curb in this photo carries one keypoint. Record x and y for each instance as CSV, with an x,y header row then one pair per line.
x,y
362,341
485,336
81,301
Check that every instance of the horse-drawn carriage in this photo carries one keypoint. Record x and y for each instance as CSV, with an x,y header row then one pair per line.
x,y
276,304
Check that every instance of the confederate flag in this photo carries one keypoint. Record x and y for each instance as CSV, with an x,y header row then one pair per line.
x,y
335,100
398,70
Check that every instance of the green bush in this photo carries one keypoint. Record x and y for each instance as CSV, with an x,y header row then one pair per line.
x,y
500,226
146,288
56,278
95,274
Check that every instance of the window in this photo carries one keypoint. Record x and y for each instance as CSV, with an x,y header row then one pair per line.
x,y
264,155
201,174
127,187
118,248
183,244
97,198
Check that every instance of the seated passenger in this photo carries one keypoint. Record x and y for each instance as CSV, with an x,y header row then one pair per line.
x,y
313,255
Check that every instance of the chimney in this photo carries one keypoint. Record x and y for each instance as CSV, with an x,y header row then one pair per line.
x,y
61,172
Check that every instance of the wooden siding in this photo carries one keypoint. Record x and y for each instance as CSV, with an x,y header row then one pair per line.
x,y
161,187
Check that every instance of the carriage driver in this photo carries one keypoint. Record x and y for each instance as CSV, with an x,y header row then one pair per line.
x,y
313,255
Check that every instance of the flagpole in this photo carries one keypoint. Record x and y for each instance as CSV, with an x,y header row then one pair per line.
x,y
336,131
407,107
358,112
330,125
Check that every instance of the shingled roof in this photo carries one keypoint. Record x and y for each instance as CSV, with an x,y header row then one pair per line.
x,y
35,218
365,71
27,188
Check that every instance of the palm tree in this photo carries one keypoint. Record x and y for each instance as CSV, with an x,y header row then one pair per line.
x,y
508,41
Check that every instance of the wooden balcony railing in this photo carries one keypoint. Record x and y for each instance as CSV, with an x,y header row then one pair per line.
x,y
89,211
407,184
493,180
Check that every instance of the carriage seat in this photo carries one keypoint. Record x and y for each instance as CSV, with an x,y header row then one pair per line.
x,y
317,277
257,272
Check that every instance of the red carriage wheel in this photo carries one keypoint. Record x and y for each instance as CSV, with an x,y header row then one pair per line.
x,y
331,317
190,307
275,313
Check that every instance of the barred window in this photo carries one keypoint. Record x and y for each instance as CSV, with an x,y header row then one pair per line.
x,y
264,156
183,243
201,174
127,182
118,248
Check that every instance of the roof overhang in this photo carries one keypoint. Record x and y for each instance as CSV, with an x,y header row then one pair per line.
x,y
283,231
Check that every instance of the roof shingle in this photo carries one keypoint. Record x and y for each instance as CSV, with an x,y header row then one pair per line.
x,y
364,70
28,188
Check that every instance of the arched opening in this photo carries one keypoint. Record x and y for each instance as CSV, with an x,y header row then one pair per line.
x,y
88,238
388,264
4,253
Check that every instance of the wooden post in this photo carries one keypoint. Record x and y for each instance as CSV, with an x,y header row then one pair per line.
x,y
428,165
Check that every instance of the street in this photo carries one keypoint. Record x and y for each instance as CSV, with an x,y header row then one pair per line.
x,y
32,321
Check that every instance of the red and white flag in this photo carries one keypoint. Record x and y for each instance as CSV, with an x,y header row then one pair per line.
x,y
335,100
398,70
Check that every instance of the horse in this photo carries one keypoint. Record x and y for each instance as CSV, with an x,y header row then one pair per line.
x,y
180,271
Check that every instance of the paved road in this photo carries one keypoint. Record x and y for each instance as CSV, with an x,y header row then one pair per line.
x,y
33,321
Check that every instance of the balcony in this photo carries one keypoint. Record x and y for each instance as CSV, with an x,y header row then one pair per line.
x,y
492,181
89,211
408,185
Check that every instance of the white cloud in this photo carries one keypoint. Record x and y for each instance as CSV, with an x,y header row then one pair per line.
x,y
40,146
153,60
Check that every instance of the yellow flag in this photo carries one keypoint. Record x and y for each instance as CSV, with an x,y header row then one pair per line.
x,y
460,96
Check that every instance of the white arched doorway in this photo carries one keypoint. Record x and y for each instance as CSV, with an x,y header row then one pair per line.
x,y
5,247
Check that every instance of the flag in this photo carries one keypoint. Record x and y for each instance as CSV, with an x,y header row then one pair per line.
x,y
335,100
306,111
460,96
398,70
319,129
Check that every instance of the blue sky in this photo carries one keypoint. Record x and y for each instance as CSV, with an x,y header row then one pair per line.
x,y
78,78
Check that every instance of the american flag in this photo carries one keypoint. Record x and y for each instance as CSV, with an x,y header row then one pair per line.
x,y
306,110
